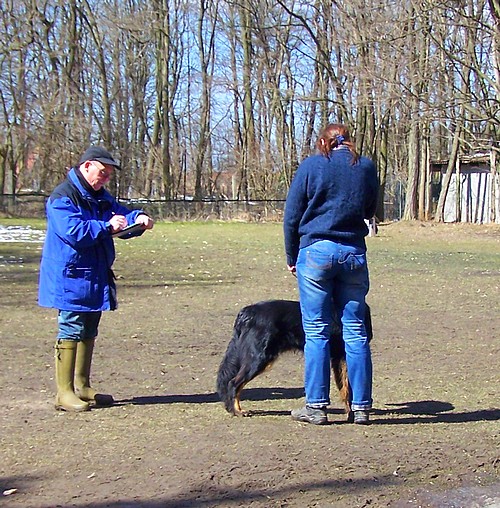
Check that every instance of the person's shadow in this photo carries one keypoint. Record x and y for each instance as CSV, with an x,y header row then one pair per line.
x,y
423,411
430,411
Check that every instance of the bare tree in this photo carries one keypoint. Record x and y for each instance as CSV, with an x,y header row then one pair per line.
x,y
194,93
206,44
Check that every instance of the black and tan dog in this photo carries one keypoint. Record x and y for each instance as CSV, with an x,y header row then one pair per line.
x,y
264,330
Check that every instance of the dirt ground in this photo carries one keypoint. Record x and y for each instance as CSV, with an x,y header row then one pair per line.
x,y
168,442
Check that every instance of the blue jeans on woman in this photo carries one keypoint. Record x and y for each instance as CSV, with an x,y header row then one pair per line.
x,y
329,271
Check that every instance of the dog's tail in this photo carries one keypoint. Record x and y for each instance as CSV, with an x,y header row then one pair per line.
x,y
339,367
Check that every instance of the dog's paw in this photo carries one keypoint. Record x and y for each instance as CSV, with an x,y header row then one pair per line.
x,y
243,414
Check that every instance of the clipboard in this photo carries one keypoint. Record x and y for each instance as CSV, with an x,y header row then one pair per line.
x,y
133,228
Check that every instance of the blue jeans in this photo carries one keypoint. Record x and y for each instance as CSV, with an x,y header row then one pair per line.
x,y
327,270
78,325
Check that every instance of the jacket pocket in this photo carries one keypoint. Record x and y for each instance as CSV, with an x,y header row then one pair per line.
x,y
78,285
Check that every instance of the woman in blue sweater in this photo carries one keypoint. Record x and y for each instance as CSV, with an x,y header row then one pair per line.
x,y
330,197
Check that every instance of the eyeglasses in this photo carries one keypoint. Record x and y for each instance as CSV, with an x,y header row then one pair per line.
x,y
105,174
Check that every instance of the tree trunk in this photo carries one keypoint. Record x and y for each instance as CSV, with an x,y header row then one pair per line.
x,y
445,184
249,148
206,48
410,212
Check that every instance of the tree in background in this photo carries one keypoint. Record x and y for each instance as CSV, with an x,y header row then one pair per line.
x,y
191,93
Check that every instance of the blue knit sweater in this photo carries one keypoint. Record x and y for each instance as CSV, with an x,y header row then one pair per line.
x,y
329,199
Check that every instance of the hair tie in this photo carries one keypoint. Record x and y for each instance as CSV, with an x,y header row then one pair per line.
x,y
340,139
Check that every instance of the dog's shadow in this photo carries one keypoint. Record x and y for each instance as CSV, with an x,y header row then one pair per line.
x,y
254,394
423,411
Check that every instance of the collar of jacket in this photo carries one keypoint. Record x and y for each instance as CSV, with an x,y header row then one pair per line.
x,y
338,148
85,189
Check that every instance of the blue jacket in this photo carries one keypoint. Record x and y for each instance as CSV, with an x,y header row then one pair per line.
x,y
329,199
78,253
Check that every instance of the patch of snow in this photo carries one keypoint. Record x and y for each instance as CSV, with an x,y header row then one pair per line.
x,y
24,234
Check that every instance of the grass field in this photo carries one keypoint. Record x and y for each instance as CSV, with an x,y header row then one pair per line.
x,y
435,299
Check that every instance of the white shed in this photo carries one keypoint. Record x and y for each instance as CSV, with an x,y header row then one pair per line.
x,y
474,191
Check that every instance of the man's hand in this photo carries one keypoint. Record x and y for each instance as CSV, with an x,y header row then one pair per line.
x,y
145,220
117,223
292,270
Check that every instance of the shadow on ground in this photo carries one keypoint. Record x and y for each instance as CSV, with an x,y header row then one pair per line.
x,y
425,411
208,495
254,394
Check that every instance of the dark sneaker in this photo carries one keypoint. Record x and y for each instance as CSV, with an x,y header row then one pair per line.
x,y
314,415
360,417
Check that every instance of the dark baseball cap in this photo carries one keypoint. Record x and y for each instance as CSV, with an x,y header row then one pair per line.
x,y
97,153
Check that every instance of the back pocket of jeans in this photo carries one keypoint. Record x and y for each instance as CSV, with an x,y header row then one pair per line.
x,y
318,260
356,261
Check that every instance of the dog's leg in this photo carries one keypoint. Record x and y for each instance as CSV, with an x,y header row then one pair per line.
x,y
237,411
245,375
237,384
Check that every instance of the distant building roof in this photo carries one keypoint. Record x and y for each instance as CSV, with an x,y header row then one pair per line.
x,y
479,159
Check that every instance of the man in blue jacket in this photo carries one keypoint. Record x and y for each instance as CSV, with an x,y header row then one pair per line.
x,y
75,272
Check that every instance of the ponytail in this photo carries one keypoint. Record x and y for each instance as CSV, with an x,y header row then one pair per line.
x,y
333,136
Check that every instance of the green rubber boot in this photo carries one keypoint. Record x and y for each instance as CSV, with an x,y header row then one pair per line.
x,y
66,400
83,364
